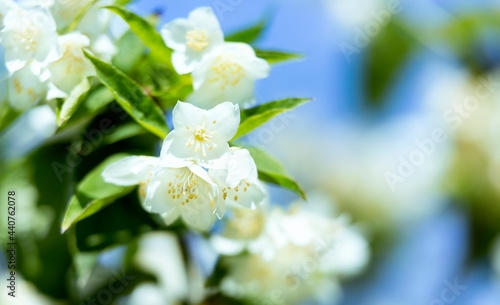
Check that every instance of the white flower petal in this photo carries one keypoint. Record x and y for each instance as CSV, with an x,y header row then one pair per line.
x,y
171,215
25,88
227,246
174,34
185,114
226,120
129,170
200,219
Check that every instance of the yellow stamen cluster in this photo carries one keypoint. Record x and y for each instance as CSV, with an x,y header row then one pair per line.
x,y
201,138
143,186
28,37
227,73
197,40
245,224
184,187
243,183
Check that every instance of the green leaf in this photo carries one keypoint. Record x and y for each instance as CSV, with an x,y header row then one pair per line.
x,y
69,106
93,194
273,57
131,97
146,32
272,171
256,116
7,115
116,224
130,50
385,63
248,35
123,132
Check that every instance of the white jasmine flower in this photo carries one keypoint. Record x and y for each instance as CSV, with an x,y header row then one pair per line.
x,y
193,38
73,66
201,135
238,183
25,88
228,74
184,189
29,34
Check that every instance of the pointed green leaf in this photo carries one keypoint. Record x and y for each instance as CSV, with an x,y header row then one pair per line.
x,y
93,194
273,57
67,107
146,32
131,97
256,116
123,132
272,171
384,64
248,35
130,50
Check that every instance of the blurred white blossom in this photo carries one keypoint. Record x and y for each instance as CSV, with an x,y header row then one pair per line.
x,y
26,88
29,34
297,256
69,71
95,24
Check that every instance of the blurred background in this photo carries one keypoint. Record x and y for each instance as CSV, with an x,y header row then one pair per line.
x,y
402,136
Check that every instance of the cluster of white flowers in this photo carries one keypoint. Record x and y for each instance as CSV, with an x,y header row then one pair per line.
x,y
197,173
291,255
221,71
42,60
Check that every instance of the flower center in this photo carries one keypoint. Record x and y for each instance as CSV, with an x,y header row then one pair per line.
x,y
200,138
197,40
244,185
28,37
227,73
185,187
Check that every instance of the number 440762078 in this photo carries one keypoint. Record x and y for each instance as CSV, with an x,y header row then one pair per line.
x,y
11,211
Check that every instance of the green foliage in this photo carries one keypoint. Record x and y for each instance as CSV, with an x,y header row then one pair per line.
x,y
66,108
130,50
7,115
146,32
115,224
274,57
248,35
131,97
256,116
272,171
388,53
93,194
